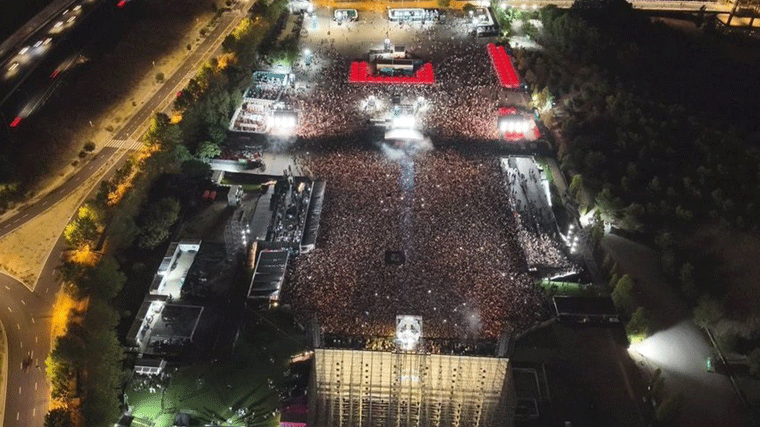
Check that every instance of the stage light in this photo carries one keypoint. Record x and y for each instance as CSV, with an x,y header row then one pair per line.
x,y
404,121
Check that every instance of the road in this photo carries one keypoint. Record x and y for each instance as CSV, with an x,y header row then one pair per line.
x,y
59,193
26,314
679,347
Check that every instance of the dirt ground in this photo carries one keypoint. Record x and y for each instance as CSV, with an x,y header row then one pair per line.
x,y
24,251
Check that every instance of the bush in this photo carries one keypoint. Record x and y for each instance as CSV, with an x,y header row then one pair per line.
x,y
89,146
109,128
669,408
159,77
82,154
622,295
707,312
639,326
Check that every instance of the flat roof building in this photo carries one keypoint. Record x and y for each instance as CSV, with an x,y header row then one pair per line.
x,y
269,275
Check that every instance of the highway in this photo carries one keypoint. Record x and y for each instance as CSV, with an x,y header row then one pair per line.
x,y
26,314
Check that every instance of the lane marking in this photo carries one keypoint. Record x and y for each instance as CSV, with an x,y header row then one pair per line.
x,y
18,414
9,309
34,411
32,319
36,339
18,326
35,385
7,287
23,302
19,390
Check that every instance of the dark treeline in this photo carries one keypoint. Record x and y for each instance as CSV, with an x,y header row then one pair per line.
x,y
660,126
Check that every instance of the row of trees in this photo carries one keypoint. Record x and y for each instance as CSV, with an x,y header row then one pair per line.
x,y
86,364
644,133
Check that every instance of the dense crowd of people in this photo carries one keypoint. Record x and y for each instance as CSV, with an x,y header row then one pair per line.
x,y
466,253
464,270
462,101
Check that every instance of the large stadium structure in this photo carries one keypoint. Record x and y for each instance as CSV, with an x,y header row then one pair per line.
x,y
409,387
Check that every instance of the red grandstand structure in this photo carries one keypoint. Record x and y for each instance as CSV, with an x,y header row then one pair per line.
x,y
361,72
502,65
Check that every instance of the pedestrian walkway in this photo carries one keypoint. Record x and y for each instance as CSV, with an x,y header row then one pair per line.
x,y
127,144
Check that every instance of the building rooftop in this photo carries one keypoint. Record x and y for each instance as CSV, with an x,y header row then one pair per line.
x,y
269,274
173,270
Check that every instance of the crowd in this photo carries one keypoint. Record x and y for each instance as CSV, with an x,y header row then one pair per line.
x,y
464,270
463,101
538,228
466,252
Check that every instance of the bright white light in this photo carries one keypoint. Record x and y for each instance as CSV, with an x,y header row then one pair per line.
x,y
404,121
403,135
503,6
307,52
408,331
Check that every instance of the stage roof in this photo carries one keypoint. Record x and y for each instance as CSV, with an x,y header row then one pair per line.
x,y
269,274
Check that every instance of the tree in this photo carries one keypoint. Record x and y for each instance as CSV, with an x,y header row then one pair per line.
x,y
58,417
686,278
157,221
195,169
207,150
707,312
105,280
639,326
575,185
81,232
229,43
753,361
162,132
444,3
622,295
159,77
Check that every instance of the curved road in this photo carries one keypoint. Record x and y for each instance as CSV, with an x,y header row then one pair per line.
x,y
26,314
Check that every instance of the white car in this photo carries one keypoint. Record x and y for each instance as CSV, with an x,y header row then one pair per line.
x,y
58,24
47,41
13,67
77,8
38,43
23,50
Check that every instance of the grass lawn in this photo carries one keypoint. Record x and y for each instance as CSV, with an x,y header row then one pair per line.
x,y
239,390
248,182
552,288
